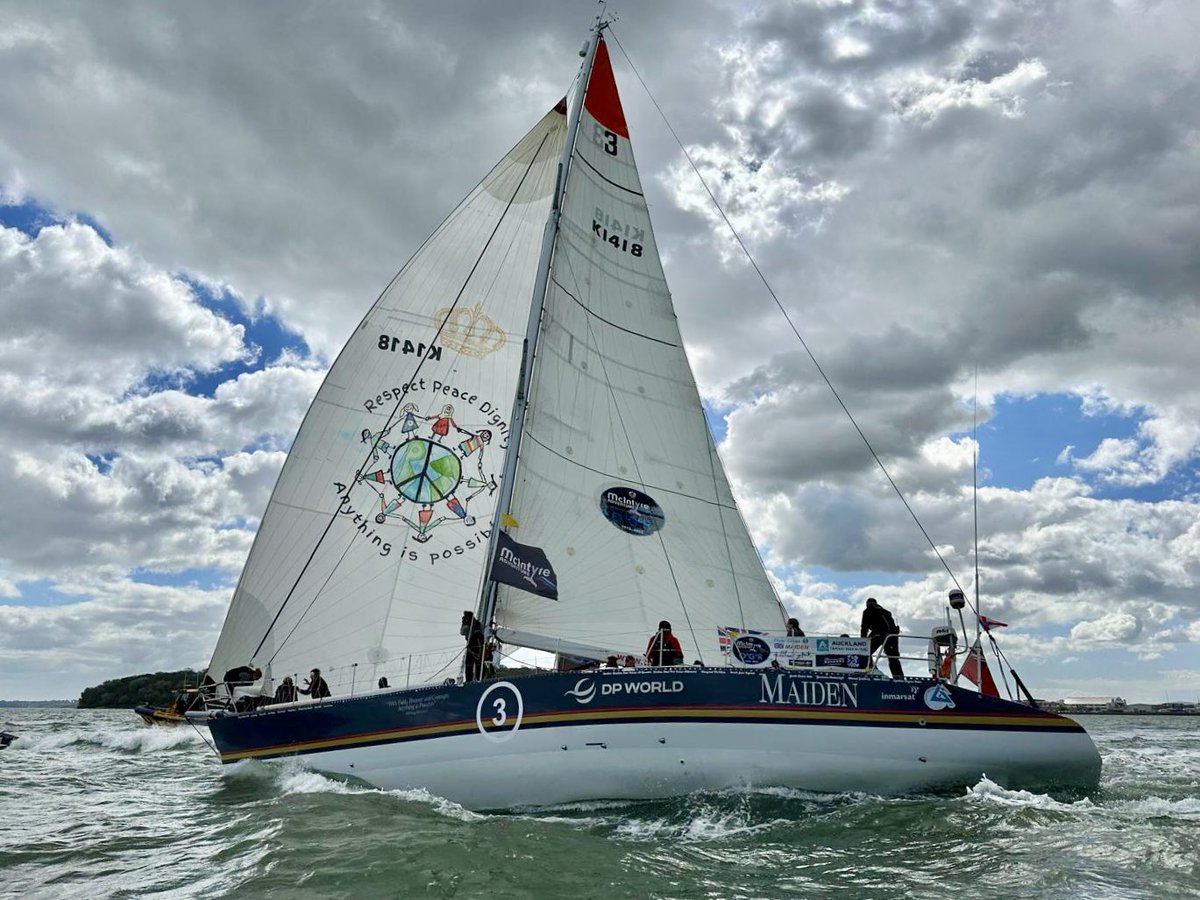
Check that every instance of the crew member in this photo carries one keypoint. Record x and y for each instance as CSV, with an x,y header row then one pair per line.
x,y
287,691
794,629
315,687
242,675
883,630
664,649
473,632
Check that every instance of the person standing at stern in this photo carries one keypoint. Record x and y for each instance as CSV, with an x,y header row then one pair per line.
x,y
877,622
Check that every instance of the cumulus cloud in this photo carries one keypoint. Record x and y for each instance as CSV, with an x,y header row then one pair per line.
x,y
1115,626
65,293
104,476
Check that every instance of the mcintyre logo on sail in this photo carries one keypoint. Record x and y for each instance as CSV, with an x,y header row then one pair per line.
x,y
525,567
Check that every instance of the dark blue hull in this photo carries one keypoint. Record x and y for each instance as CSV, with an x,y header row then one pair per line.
x,y
400,737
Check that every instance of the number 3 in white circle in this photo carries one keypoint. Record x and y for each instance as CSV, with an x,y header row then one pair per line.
x,y
501,721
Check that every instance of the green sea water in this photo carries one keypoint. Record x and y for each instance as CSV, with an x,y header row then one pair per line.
x,y
95,805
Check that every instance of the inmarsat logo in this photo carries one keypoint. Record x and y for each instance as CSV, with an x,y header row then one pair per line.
x,y
937,697
583,692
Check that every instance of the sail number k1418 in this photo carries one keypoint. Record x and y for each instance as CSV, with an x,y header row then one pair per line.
x,y
403,345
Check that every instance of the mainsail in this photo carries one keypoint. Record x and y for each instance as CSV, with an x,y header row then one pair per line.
x,y
618,480
375,536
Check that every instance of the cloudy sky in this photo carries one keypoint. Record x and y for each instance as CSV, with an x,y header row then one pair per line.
x,y
198,202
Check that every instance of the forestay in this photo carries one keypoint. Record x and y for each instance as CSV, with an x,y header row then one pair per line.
x,y
374,538
618,479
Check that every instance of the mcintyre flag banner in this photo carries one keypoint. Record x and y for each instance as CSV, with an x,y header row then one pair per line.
x,y
525,567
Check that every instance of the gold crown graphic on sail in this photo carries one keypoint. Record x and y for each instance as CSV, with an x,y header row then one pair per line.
x,y
469,331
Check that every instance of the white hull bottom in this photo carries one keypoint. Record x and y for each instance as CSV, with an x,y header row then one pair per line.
x,y
552,765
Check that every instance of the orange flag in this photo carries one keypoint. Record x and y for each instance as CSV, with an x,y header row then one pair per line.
x,y
975,670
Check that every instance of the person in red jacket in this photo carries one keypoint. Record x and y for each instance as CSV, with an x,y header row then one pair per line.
x,y
664,649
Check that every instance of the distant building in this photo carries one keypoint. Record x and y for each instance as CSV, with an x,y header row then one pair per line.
x,y
1094,704
1177,709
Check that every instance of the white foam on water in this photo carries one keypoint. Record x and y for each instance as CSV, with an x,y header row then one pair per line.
x,y
706,828
138,740
295,778
582,822
55,741
559,813
787,793
440,805
582,806
987,791
248,769
1187,809
150,740
706,824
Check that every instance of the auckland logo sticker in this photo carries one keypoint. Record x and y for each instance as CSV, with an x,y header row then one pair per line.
x,y
938,698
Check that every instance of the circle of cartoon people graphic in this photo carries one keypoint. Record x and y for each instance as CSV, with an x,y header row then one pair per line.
x,y
430,480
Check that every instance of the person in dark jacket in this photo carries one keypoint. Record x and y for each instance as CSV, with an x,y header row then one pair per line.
x,y
794,629
242,675
473,632
664,649
878,623
316,686
286,693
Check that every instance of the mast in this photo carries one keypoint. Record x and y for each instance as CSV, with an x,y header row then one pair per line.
x,y
975,494
487,600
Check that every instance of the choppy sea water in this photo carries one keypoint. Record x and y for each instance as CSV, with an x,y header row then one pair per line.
x,y
93,804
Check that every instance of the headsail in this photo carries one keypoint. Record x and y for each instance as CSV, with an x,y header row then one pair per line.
x,y
618,479
375,535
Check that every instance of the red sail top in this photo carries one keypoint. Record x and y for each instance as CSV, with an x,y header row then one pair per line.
x,y
601,99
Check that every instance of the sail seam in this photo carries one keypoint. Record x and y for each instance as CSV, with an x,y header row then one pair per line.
x,y
600,174
596,315
657,488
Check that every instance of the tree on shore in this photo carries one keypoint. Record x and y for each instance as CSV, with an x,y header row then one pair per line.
x,y
157,689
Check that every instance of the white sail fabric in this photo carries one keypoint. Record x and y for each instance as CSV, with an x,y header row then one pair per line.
x,y
374,539
618,480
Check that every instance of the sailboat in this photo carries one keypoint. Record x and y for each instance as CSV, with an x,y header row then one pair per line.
x,y
511,449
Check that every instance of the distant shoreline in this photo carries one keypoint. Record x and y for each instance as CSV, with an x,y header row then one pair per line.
x,y
38,704
1130,712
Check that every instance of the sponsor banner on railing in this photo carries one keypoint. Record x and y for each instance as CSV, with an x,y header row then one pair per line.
x,y
759,650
